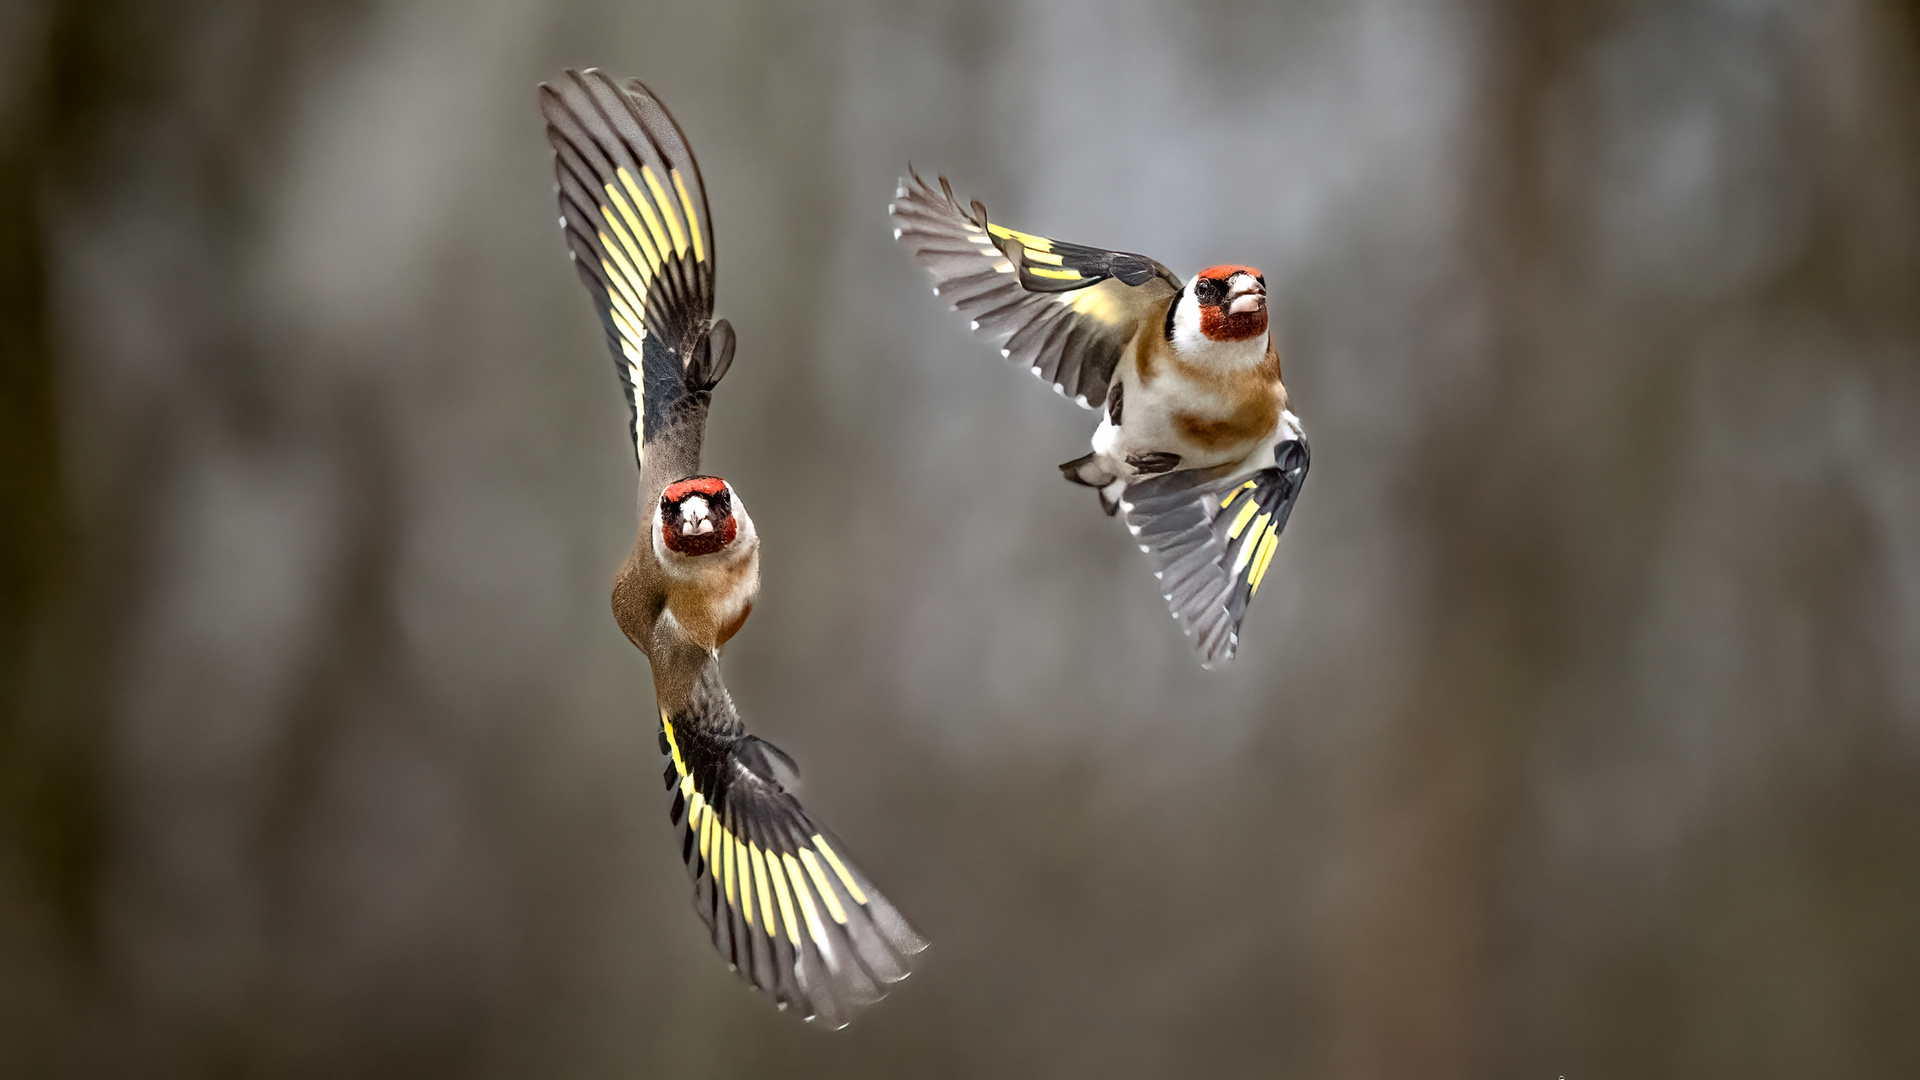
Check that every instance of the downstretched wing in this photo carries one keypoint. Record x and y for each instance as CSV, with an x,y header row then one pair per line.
x,y
787,907
1210,537
635,214
1063,311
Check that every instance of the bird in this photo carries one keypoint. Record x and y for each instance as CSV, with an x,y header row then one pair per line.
x,y
1196,444
782,899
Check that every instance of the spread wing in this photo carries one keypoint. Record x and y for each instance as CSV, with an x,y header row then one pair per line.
x,y
635,214
1210,537
786,905
1064,311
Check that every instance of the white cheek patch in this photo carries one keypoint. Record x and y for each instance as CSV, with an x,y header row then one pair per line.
x,y
1187,337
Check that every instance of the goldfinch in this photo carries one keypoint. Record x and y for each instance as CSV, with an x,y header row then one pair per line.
x,y
1196,443
785,905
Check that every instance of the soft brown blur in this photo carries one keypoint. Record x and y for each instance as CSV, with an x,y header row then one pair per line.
x,y
1577,732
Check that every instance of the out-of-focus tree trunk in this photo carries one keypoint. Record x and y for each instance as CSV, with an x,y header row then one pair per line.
x,y
1516,524
1429,810
67,66
87,80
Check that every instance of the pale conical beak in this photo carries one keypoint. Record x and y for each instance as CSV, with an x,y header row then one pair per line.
x,y
1246,295
695,518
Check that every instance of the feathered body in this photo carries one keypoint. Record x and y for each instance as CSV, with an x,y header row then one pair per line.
x,y
1205,394
708,555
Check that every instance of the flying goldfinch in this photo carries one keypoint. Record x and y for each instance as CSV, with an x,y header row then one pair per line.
x,y
1196,443
785,904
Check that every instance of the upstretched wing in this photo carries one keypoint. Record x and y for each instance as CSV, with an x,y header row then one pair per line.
x,y
1064,311
787,907
1210,537
635,214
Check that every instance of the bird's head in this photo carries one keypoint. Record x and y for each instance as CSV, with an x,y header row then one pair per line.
x,y
1225,303
698,516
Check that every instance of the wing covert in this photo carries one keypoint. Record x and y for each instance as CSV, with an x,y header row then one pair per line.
x,y
1063,311
635,214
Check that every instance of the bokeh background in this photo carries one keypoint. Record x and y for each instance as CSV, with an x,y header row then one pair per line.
x,y
1577,732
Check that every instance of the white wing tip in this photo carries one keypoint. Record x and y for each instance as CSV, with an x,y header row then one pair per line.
x,y
1007,354
896,234
974,325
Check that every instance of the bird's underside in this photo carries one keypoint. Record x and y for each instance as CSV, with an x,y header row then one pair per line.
x,y
1196,444
783,902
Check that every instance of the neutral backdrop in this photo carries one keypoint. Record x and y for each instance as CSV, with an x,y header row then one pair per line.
x,y
1576,732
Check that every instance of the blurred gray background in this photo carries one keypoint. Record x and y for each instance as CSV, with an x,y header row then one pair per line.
x,y
1576,732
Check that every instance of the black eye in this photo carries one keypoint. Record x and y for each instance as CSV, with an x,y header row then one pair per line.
x,y
1207,292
